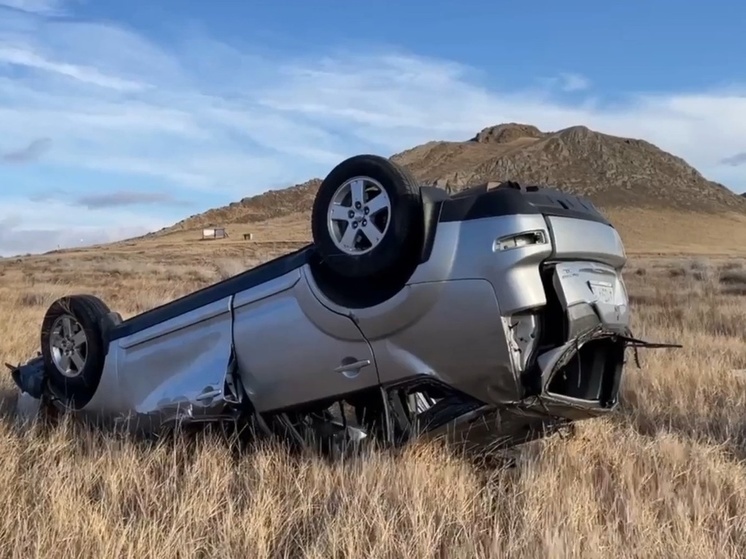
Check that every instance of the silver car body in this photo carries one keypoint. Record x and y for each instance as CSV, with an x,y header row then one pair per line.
x,y
498,304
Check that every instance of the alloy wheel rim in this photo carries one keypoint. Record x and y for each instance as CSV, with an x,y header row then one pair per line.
x,y
69,345
359,215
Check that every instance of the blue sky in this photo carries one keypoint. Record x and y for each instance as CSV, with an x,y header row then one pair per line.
x,y
122,117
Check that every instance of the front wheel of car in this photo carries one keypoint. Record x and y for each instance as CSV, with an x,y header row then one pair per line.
x,y
73,347
367,218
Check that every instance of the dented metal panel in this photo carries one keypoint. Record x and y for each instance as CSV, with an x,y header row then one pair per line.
x,y
591,284
173,370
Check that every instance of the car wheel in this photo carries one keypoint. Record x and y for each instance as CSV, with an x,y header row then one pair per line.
x,y
73,347
367,217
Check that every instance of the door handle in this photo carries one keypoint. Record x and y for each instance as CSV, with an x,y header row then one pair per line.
x,y
351,369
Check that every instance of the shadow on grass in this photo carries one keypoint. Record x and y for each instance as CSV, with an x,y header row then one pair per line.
x,y
90,438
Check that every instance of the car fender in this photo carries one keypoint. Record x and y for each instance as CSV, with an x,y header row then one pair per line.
x,y
325,315
406,307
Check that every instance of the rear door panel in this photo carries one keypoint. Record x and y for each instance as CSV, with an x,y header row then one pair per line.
x,y
292,350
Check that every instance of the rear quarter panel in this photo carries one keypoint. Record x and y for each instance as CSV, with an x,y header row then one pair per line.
x,y
459,340
470,250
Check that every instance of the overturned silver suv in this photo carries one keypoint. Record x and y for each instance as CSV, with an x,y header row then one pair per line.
x,y
487,316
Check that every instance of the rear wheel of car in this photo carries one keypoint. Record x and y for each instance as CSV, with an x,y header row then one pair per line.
x,y
367,217
73,347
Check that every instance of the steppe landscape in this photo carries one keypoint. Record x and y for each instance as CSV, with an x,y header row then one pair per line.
x,y
663,477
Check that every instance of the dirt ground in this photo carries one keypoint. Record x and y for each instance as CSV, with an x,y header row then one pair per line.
x,y
663,477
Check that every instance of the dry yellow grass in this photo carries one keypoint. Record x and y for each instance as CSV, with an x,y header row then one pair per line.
x,y
651,232
663,477
672,232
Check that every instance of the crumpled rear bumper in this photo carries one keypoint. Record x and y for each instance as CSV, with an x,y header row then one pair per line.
x,y
579,348
582,377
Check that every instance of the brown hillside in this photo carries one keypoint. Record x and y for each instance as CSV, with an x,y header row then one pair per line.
x,y
614,172
253,209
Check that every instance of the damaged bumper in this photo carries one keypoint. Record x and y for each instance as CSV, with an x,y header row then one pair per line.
x,y
578,371
580,346
29,377
571,362
578,380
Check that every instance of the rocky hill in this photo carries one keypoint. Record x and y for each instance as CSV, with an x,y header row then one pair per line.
x,y
614,172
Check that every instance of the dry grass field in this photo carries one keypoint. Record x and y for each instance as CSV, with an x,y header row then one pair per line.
x,y
645,232
664,477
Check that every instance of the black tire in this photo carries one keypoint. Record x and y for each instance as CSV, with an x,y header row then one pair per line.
x,y
402,239
88,311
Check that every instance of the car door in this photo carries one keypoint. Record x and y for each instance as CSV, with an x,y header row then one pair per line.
x,y
292,350
176,365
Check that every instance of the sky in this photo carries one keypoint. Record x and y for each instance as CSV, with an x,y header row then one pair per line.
x,y
119,118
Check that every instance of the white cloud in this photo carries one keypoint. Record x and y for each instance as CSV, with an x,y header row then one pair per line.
x,y
43,7
574,82
30,59
568,82
28,227
211,117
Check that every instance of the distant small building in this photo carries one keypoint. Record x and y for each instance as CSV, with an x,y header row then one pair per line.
x,y
214,233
